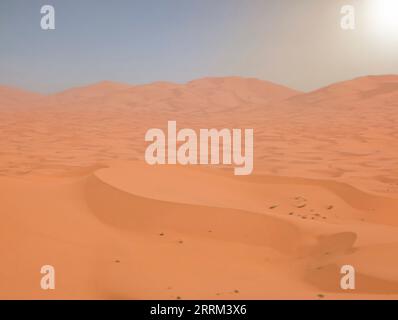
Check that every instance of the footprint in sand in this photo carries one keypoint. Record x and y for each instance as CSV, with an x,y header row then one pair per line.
x,y
301,202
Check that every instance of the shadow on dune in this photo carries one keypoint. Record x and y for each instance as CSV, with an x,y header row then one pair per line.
x,y
132,213
384,209
324,272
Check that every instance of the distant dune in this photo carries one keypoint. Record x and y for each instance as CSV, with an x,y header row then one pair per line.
x,y
14,98
364,90
76,193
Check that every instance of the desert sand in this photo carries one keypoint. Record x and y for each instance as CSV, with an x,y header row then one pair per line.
x,y
76,193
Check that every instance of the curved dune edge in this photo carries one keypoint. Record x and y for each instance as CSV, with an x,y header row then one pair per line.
x,y
110,243
190,185
383,209
320,255
142,215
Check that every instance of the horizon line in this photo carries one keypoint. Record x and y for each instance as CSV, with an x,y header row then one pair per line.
x,y
103,81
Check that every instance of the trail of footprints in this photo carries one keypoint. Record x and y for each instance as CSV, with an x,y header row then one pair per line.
x,y
303,211
300,203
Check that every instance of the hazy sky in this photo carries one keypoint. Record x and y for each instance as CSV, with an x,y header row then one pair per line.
x,y
298,43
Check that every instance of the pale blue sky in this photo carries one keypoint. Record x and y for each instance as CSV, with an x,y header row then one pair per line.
x,y
297,43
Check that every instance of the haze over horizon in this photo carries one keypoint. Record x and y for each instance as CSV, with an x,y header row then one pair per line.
x,y
118,84
300,46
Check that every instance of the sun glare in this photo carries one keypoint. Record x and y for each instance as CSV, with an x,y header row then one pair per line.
x,y
384,16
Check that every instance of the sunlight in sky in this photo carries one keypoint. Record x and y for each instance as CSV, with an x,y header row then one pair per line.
x,y
384,18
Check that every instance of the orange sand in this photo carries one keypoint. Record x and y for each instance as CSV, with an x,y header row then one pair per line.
x,y
76,193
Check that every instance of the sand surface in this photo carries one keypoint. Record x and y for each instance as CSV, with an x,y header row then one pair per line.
x,y
76,193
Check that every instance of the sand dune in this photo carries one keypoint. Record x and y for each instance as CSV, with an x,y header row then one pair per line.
x,y
353,142
357,91
76,193
12,99
109,239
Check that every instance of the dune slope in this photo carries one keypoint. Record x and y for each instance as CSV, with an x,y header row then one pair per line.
x,y
110,238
